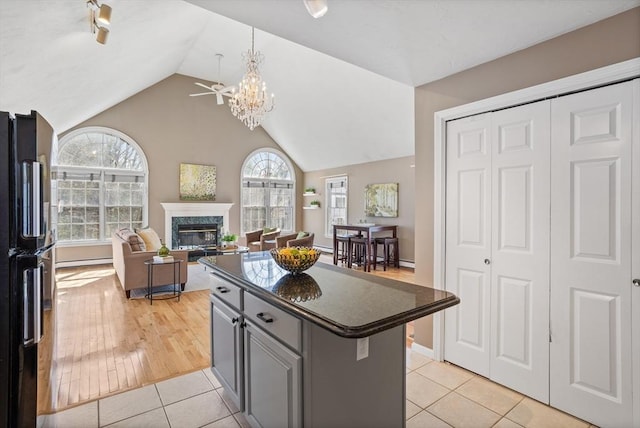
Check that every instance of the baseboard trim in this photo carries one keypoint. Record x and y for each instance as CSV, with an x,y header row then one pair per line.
x,y
76,263
422,350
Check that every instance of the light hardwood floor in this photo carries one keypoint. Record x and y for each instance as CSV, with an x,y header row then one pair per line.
x,y
98,343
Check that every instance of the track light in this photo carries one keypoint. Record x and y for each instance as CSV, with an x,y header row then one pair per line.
x,y
316,8
99,21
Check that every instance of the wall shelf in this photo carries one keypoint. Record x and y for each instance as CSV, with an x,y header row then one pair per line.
x,y
309,194
311,207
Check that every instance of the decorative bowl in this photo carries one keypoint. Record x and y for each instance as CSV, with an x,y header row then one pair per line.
x,y
297,288
295,259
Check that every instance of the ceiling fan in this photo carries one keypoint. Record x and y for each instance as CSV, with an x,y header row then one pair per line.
x,y
218,89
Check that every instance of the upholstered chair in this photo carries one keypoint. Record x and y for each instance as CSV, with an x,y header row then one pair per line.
x,y
256,239
292,240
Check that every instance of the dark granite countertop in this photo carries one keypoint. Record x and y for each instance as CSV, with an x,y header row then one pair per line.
x,y
346,302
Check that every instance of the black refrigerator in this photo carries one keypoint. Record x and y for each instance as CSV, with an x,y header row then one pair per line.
x,y
24,239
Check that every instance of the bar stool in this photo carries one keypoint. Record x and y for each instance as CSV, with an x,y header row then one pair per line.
x,y
344,245
387,243
360,251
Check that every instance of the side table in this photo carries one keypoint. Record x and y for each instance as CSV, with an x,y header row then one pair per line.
x,y
177,289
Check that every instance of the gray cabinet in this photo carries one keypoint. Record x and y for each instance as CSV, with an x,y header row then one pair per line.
x,y
226,349
272,381
283,371
256,366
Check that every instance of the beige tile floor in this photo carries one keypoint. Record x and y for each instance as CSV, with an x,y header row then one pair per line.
x,y
438,395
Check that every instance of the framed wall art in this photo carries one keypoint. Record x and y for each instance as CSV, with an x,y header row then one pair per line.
x,y
381,200
197,182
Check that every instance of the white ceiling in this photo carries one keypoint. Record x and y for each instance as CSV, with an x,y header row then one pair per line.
x,y
343,83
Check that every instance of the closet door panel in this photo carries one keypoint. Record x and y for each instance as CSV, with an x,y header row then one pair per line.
x,y
520,250
468,242
591,233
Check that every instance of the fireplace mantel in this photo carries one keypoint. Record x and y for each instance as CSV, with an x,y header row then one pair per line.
x,y
193,209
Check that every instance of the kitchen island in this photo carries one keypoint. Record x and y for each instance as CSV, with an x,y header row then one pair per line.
x,y
325,348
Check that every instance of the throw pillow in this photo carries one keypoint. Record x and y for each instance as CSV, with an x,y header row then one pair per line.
x,y
269,229
302,235
150,238
134,240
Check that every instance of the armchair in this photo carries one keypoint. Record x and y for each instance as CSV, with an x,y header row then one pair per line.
x,y
292,240
257,240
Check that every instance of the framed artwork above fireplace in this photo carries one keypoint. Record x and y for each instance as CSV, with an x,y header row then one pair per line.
x,y
197,182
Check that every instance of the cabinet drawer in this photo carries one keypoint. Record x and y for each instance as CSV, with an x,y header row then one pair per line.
x,y
275,321
227,292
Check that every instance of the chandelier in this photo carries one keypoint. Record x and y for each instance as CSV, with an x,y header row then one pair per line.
x,y
251,102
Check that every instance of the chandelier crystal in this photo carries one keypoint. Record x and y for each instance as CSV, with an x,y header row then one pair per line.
x,y
251,102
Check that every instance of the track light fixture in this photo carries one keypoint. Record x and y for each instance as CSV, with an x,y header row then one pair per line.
x,y
99,20
316,8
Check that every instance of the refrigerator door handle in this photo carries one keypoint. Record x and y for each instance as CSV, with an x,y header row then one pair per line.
x,y
32,305
32,226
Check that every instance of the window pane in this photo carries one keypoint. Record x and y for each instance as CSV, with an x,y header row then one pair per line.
x,y
111,214
92,231
93,215
64,232
77,232
77,215
124,215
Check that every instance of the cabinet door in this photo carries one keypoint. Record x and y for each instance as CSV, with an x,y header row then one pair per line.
x,y
226,349
272,382
468,242
520,188
591,240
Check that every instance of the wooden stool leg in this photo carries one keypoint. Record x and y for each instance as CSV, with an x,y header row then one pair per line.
x,y
386,256
396,255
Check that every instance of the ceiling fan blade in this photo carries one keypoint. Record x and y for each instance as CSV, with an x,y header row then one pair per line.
x,y
219,97
202,85
203,93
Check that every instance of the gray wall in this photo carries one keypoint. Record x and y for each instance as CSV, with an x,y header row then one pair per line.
x,y
606,42
173,128
398,170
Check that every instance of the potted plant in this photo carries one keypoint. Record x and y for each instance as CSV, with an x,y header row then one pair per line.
x,y
315,203
310,190
229,239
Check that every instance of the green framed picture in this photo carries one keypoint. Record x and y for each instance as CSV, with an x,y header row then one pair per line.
x,y
381,200
197,182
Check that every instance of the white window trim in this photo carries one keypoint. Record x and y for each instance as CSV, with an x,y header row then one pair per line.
x,y
145,173
293,180
328,232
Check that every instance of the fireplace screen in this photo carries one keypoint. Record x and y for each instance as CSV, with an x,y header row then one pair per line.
x,y
197,236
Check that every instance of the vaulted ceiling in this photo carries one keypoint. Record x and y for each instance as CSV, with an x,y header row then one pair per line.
x,y
344,83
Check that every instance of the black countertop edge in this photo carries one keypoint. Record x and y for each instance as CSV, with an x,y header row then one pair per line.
x,y
338,329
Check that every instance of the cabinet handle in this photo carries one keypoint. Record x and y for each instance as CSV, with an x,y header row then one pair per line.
x,y
223,289
636,282
487,261
262,317
234,320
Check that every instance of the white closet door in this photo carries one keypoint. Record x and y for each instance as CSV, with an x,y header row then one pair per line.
x,y
591,287
468,236
520,249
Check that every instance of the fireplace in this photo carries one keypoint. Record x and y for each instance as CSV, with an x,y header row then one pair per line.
x,y
197,235
198,215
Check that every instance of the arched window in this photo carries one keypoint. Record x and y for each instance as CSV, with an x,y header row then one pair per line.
x,y
99,184
268,191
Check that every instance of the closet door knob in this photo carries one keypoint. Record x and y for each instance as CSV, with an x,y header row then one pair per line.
x,y
636,282
487,261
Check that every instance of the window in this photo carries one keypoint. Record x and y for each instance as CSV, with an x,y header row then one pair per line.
x,y
99,184
268,191
336,190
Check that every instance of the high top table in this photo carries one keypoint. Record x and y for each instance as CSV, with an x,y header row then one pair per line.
x,y
368,228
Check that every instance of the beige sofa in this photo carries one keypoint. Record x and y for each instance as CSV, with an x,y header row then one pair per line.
x,y
128,261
